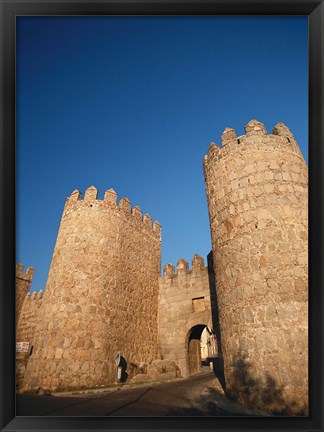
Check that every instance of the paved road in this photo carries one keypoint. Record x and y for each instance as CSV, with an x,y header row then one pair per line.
x,y
200,395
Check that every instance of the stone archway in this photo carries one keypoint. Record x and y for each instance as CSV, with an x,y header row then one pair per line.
x,y
194,348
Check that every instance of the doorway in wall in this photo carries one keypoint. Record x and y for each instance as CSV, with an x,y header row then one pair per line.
x,y
195,348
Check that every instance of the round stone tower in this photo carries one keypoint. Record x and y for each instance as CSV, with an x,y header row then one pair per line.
x,y
101,296
257,192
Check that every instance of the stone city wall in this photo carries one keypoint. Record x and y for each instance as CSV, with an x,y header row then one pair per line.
x,y
101,295
29,318
184,302
23,283
257,192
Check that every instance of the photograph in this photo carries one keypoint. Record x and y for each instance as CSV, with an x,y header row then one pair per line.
x,y
160,272
161,211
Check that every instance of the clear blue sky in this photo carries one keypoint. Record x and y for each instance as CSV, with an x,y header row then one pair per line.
x,y
133,103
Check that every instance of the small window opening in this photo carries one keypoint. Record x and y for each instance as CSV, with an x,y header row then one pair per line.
x,y
198,304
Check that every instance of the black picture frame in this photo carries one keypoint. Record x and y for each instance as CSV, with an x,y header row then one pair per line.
x,y
9,9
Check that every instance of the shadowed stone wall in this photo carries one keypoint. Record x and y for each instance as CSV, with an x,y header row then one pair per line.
x,y
257,192
101,295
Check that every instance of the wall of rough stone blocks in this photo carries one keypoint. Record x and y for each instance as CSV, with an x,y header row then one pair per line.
x,y
257,192
101,295
184,302
28,319
23,283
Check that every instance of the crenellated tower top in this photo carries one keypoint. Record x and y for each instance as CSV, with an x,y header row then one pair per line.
x,y
255,132
75,202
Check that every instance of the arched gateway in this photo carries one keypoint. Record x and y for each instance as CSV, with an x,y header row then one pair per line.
x,y
194,349
184,312
202,348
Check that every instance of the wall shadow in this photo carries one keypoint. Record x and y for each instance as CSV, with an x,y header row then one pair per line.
x,y
218,363
213,403
261,392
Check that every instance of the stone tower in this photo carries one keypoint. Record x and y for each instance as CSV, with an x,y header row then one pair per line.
x,y
257,192
101,295
23,283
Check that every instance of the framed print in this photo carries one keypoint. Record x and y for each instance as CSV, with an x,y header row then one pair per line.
x,y
161,223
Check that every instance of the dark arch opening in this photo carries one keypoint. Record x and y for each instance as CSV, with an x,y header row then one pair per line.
x,y
194,349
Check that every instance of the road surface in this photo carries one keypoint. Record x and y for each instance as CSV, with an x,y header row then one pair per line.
x,y
200,395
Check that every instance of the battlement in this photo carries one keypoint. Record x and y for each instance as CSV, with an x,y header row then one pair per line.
x,y
110,201
35,295
23,282
182,268
254,131
27,276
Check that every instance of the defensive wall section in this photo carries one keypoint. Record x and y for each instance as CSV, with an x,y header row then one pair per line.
x,y
23,283
101,295
184,302
25,329
257,193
